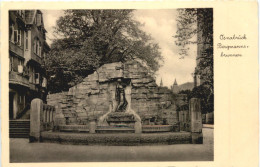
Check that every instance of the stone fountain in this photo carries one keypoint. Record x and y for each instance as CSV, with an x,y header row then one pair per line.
x,y
120,112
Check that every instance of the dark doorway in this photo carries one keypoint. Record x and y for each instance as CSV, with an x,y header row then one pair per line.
x,y
11,107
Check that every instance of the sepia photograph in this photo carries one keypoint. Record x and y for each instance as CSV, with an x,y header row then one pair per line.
x,y
111,85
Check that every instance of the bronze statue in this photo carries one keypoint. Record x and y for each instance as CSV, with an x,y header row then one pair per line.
x,y
120,96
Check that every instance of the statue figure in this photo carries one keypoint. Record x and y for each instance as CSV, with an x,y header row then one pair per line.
x,y
120,96
121,102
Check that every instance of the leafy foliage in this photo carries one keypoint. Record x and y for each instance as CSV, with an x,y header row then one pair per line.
x,y
186,30
198,23
91,38
204,94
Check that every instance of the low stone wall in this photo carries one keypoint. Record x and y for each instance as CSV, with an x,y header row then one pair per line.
x,y
122,139
42,120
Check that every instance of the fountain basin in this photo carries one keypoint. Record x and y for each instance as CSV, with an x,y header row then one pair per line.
x,y
120,139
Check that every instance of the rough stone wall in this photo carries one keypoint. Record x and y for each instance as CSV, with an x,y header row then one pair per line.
x,y
93,97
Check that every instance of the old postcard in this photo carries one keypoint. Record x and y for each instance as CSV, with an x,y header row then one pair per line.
x,y
165,83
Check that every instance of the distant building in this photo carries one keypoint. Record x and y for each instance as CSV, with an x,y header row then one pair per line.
x,y
175,87
161,83
27,49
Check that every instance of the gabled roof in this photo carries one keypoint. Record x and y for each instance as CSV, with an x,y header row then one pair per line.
x,y
175,82
29,16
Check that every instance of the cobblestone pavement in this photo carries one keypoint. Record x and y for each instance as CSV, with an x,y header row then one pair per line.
x,y
23,151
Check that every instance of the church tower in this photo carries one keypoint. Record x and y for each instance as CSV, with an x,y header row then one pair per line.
x,y
175,87
161,84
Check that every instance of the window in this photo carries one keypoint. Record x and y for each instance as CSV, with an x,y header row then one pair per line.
x,y
37,78
11,68
11,33
34,21
23,13
37,47
40,50
20,98
20,66
19,12
20,62
31,73
44,55
38,19
33,76
26,40
34,46
17,37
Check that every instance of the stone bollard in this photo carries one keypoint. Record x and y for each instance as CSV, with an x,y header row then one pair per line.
x,y
36,120
138,127
196,121
92,126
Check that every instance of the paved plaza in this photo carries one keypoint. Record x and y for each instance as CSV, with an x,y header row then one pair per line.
x,y
23,151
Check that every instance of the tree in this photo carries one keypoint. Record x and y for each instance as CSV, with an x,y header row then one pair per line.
x,y
204,94
91,38
195,27
186,30
206,98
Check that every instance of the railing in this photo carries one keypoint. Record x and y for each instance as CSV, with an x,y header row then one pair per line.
x,y
26,108
48,117
16,49
36,58
41,119
16,78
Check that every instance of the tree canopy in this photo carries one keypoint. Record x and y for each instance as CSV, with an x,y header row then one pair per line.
x,y
91,38
195,27
204,94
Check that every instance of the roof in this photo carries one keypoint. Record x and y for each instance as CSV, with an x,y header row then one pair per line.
x,y
29,16
175,82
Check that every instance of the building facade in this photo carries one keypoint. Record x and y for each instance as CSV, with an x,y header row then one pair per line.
x,y
27,49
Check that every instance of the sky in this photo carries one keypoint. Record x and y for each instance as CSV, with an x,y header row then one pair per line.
x,y
161,25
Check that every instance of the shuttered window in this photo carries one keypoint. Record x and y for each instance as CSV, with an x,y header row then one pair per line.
x,y
15,36
26,40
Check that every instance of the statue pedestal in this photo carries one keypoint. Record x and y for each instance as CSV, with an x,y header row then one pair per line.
x,y
120,119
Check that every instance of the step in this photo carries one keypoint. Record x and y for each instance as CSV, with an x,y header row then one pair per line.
x,y
19,135
19,124
19,130
19,127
